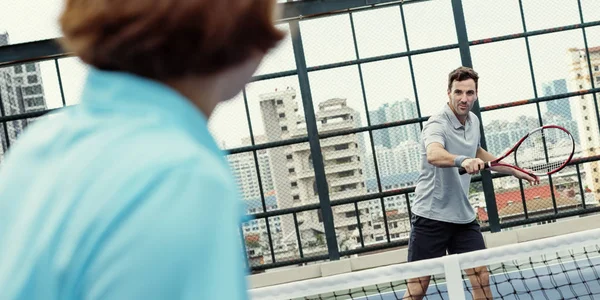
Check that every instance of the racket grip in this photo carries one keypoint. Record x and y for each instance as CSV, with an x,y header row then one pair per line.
x,y
462,171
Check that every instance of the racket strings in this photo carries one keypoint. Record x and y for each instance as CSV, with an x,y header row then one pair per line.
x,y
544,150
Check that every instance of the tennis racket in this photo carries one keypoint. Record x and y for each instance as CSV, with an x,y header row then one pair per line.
x,y
543,151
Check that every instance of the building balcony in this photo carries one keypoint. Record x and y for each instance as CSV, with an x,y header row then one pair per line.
x,y
332,167
335,154
345,180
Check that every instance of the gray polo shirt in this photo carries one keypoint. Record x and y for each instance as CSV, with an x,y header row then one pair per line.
x,y
442,194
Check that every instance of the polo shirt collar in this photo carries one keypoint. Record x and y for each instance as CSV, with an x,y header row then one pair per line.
x,y
453,119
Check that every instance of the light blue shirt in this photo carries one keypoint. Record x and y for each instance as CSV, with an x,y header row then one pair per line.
x,y
125,196
441,193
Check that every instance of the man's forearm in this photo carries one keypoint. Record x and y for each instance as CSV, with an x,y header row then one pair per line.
x,y
441,158
486,156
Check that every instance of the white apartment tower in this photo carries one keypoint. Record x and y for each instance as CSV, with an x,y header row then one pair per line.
x,y
21,91
293,171
580,79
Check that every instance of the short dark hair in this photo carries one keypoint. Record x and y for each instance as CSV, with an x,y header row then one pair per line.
x,y
462,73
168,39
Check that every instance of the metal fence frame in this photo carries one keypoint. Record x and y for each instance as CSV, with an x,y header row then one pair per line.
x,y
293,13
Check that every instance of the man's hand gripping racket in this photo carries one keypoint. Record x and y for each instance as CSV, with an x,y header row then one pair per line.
x,y
543,151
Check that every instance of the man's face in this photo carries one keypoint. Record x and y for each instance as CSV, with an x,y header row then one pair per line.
x,y
462,96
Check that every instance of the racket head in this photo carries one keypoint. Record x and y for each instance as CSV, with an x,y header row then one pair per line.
x,y
545,150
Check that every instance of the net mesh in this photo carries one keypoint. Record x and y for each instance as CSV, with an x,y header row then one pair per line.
x,y
564,267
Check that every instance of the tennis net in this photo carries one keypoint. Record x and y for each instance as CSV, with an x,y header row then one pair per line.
x,y
563,267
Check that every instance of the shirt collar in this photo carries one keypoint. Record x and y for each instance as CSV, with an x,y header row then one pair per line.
x,y
453,119
127,93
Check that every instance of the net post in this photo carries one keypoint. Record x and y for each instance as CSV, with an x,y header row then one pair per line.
x,y
453,275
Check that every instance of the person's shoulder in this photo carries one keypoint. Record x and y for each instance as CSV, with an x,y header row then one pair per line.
x,y
438,118
168,148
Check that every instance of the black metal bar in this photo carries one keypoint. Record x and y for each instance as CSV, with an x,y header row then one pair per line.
x,y
312,8
465,54
533,33
410,65
27,115
539,99
315,145
408,207
273,75
589,62
31,52
523,200
4,125
298,235
581,191
535,94
60,84
259,179
380,57
360,233
364,94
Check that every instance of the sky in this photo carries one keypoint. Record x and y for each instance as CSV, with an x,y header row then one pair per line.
x,y
503,67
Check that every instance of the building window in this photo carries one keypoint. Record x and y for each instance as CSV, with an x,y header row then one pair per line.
x,y
289,157
341,147
296,197
30,67
18,69
587,128
282,115
294,184
279,102
291,170
32,79
284,128
590,139
584,107
596,68
585,118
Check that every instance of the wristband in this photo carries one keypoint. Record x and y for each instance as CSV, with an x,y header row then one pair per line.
x,y
458,160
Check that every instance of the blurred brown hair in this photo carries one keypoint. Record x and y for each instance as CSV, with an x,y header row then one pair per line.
x,y
462,73
168,39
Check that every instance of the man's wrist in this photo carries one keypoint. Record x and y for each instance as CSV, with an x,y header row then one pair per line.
x,y
459,160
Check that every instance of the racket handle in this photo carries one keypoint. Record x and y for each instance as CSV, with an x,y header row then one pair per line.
x,y
462,171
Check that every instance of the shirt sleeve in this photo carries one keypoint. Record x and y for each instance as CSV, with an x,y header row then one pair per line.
x,y
180,240
433,132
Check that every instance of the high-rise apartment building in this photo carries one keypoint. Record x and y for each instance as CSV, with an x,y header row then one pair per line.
x,y
21,91
581,79
294,175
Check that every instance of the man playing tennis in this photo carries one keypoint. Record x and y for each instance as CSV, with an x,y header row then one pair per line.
x,y
443,220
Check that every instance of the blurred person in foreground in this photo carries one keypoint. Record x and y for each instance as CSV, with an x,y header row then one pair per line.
x,y
126,195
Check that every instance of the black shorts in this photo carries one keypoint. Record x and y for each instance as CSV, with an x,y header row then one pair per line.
x,y
431,238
